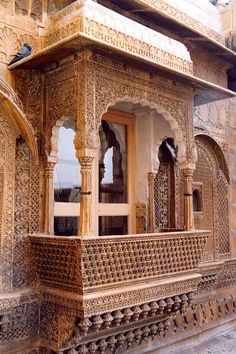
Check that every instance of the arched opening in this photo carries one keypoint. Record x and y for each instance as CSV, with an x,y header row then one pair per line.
x,y
165,185
114,176
152,126
211,196
113,163
67,182
12,106
197,200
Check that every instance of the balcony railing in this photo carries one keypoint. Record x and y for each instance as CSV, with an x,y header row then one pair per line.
x,y
138,264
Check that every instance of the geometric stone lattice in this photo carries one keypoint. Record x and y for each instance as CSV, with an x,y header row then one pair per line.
x,y
60,262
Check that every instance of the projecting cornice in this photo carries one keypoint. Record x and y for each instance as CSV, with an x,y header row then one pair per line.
x,y
87,22
180,23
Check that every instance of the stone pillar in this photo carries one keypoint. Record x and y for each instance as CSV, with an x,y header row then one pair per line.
x,y
151,206
49,199
188,199
86,195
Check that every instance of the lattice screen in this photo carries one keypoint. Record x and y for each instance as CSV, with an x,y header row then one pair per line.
x,y
161,190
205,219
215,199
223,212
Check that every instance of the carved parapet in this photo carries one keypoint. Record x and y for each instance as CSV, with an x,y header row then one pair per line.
x,y
94,285
125,268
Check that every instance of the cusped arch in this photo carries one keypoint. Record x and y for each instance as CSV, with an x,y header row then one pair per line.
x,y
12,104
53,154
218,153
180,139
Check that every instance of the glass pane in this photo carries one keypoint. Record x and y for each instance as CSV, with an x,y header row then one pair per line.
x,y
113,225
67,177
113,163
66,225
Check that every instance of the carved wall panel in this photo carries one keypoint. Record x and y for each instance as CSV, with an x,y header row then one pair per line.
x,y
213,119
204,69
20,322
34,211
8,170
57,5
32,8
11,40
223,213
2,201
25,220
204,174
161,195
61,97
3,4
31,97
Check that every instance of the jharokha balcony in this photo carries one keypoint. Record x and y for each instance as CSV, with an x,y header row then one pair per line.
x,y
125,280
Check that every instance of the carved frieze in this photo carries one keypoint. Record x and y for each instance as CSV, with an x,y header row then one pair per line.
x,y
31,97
8,174
71,22
166,8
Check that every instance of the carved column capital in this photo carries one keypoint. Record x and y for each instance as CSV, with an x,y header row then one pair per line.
x,y
49,169
86,161
151,177
188,173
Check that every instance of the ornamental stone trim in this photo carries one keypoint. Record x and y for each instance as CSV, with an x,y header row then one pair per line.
x,y
97,23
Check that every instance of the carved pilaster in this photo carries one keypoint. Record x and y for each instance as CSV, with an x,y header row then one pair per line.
x,y
86,195
188,199
49,199
151,207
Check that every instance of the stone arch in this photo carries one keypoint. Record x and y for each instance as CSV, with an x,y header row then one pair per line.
x,y
219,154
165,191
54,138
14,109
211,178
178,130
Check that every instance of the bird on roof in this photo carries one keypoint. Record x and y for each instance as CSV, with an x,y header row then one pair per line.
x,y
24,52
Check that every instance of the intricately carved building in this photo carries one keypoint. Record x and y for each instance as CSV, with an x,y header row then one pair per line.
x,y
117,175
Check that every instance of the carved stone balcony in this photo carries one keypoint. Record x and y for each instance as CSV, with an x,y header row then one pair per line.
x,y
108,273
86,22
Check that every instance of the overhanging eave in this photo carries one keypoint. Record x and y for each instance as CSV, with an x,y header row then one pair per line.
x,y
205,91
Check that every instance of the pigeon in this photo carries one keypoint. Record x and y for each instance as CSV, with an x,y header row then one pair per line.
x,y
213,2
24,52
